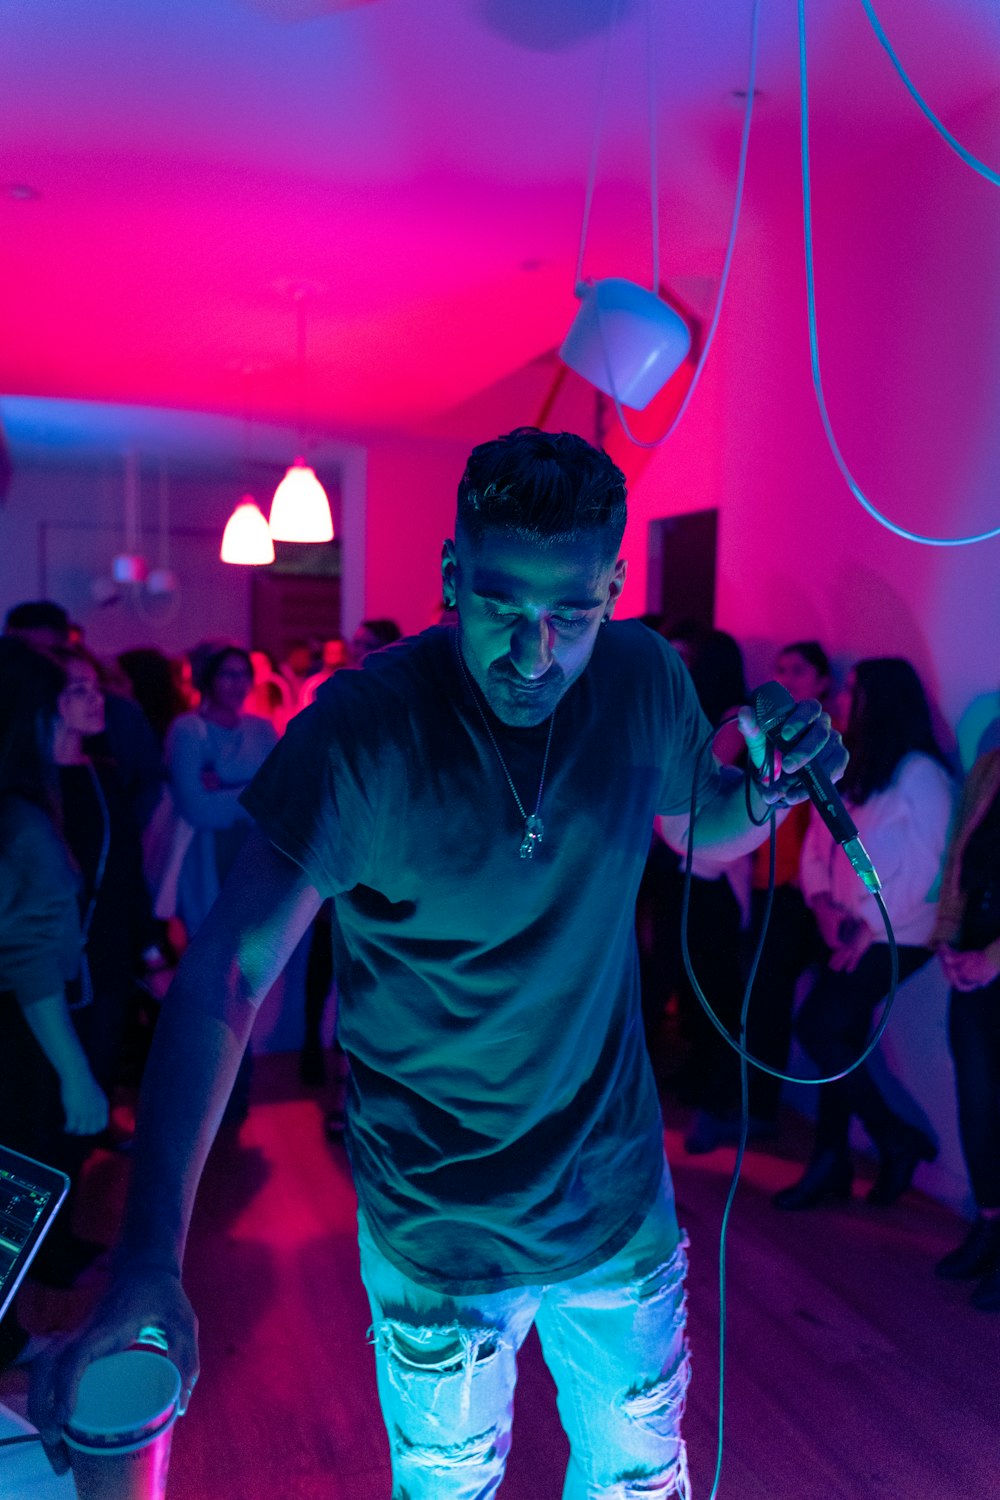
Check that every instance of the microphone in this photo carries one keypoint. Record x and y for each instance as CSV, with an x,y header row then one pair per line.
x,y
771,705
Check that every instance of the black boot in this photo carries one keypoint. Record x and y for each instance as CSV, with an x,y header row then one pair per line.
x,y
828,1175
901,1154
978,1253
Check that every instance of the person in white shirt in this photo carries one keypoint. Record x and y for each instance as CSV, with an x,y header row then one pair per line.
x,y
899,791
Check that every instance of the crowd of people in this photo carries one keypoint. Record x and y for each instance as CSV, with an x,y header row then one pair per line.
x,y
120,815
479,805
940,871
119,820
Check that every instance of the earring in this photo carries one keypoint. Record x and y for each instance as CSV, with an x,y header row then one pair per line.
x,y
448,598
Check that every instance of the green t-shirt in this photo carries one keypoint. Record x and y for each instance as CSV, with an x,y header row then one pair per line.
x,y
503,1123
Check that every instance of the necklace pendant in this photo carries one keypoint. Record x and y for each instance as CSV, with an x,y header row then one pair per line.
x,y
534,832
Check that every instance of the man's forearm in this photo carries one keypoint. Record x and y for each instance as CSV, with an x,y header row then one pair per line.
x,y
723,829
188,1080
262,912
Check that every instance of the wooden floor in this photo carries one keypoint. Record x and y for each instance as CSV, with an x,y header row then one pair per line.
x,y
852,1371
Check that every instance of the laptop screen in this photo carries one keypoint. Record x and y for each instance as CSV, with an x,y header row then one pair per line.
x,y
30,1194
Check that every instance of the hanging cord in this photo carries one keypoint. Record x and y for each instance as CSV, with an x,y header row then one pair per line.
x,y
921,103
740,1045
817,379
654,166
727,263
719,1025
595,150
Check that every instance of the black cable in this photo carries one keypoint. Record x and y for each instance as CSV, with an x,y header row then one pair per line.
x,y
740,1046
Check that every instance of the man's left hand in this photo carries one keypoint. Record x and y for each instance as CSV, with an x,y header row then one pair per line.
x,y
809,736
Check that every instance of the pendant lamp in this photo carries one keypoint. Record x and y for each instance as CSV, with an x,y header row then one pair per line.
x,y
300,510
246,539
626,339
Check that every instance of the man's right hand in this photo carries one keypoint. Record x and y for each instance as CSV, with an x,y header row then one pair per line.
x,y
140,1297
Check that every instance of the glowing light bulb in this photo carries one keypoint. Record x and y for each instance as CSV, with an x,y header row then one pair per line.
x,y
300,510
246,539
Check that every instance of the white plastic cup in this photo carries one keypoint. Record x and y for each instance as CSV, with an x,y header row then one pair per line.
x,y
118,1437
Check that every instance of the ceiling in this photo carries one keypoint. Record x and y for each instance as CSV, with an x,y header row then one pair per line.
x,y
172,171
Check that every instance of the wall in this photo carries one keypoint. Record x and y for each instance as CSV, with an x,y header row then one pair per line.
x,y
61,527
410,491
63,519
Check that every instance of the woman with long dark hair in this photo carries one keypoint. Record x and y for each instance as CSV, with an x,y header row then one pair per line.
x,y
49,1097
898,789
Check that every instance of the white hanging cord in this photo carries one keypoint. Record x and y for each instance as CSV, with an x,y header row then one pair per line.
x,y
595,150
163,519
817,379
131,502
727,263
654,173
921,103
300,348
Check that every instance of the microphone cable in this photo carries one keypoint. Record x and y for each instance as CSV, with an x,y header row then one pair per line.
x,y
739,1043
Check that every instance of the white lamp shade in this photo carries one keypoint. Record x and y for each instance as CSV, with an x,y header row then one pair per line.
x,y
300,511
246,538
626,341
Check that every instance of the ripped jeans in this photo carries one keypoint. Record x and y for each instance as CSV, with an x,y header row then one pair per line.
x,y
612,1337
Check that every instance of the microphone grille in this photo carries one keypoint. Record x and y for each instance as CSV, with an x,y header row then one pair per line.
x,y
771,705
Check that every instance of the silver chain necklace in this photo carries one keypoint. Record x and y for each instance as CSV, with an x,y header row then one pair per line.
x,y
534,828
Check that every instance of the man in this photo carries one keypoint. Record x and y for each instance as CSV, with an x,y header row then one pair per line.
x,y
477,802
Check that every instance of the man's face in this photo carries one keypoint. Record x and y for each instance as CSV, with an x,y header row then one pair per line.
x,y
528,616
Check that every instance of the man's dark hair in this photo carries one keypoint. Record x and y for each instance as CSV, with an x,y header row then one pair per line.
x,y
890,718
38,614
542,487
718,674
155,686
385,631
813,653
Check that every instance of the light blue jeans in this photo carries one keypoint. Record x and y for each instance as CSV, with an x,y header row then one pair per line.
x,y
613,1339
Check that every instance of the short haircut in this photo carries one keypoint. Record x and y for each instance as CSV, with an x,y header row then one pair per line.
x,y
813,653
38,614
542,487
385,631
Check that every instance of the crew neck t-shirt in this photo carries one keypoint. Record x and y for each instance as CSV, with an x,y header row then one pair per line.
x,y
503,1123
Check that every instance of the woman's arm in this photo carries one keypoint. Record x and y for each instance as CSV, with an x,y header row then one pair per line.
x,y
187,754
84,1103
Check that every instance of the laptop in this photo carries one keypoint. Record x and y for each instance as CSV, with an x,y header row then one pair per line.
x,y
30,1196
